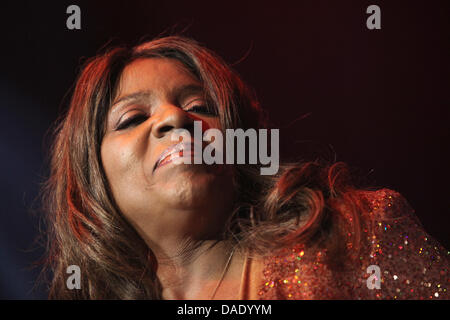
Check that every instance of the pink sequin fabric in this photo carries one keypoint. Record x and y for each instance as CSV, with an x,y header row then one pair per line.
x,y
412,265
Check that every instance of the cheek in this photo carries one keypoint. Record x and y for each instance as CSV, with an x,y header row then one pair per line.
x,y
122,167
214,123
115,159
210,123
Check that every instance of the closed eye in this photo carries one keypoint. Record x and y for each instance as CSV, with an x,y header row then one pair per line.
x,y
132,121
202,110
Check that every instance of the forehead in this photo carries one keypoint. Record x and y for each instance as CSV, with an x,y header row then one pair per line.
x,y
154,73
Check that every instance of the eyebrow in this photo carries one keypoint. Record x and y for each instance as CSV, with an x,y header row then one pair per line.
x,y
139,96
183,92
179,94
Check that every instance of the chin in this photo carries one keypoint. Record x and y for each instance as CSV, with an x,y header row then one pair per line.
x,y
192,188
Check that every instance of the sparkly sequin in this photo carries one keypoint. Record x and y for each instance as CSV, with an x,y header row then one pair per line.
x,y
413,265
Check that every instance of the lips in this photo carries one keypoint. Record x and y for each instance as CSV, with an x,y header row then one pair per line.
x,y
180,148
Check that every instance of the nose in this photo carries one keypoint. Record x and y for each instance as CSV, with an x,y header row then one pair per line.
x,y
171,117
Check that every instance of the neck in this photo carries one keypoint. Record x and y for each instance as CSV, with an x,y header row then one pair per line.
x,y
195,269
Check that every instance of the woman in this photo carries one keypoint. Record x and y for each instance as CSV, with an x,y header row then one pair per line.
x,y
142,227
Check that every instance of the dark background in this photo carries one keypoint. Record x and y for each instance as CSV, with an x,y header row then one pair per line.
x,y
376,99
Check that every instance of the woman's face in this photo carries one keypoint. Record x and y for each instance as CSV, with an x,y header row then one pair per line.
x,y
155,97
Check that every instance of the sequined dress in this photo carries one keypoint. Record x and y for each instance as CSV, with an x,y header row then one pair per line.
x,y
397,260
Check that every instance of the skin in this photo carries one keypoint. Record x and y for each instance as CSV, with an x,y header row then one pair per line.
x,y
178,209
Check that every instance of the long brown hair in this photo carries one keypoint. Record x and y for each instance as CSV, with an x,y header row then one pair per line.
x,y
302,203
